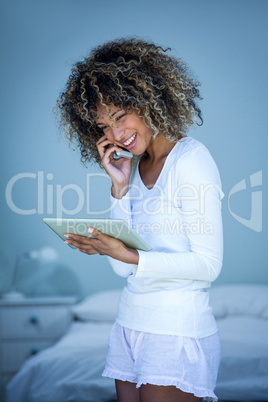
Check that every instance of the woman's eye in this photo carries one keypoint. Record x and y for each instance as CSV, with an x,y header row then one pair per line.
x,y
120,117
116,119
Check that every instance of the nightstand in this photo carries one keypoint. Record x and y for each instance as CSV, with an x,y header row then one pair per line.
x,y
28,326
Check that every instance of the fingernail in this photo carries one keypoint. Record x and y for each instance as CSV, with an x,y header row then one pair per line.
x,y
90,230
66,235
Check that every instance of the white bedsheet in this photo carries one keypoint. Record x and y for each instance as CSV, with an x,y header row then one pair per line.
x,y
68,371
243,373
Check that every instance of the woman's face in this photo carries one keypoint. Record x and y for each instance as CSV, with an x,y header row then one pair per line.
x,y
125,129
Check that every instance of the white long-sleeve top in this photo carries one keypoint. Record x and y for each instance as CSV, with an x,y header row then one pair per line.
x,y
180,218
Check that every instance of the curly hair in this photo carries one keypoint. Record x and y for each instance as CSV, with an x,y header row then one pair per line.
x,y
136,76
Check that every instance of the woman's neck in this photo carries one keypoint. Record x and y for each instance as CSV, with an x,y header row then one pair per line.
x,y
159,148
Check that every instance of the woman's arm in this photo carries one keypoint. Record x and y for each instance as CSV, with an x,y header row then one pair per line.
x,y
199,199
120,209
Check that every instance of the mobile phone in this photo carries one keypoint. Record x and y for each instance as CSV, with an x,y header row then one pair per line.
x,y
123,154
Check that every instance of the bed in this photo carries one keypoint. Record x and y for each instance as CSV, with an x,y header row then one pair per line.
x,y
71,369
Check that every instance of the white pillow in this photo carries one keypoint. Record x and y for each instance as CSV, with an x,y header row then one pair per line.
x,y
101,306
239,299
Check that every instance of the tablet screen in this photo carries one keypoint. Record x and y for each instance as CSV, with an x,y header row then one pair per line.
x,y
117,228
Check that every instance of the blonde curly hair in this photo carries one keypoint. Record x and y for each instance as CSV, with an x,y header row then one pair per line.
x,y
134,75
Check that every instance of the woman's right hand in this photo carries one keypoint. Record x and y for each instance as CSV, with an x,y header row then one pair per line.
x,y
118,169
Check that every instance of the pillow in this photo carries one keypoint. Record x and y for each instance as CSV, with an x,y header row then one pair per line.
x,y
101,306
239,299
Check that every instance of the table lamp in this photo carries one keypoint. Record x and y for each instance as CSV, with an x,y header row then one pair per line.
x,y
43,255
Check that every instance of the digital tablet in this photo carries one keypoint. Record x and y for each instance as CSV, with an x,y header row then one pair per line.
x,y
117,228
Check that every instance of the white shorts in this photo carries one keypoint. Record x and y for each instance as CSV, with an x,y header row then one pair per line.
x,y
187,363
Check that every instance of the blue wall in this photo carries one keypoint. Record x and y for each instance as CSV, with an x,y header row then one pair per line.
x,y
225,43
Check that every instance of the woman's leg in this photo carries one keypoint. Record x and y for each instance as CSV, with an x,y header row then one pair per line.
x,y
157,393
127,391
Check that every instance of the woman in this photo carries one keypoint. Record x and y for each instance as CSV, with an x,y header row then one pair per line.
x,y
129,93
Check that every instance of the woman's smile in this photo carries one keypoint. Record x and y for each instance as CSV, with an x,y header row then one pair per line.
x,y
130,143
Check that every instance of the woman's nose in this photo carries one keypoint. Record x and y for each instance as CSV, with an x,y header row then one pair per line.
x,y
117,132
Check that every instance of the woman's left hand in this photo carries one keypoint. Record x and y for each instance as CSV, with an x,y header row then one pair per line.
x,y
104,245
